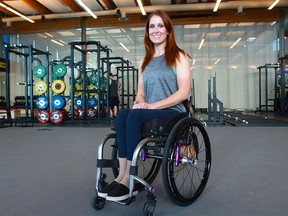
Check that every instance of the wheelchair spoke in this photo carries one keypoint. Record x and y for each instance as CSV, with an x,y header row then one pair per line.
x,y
186,169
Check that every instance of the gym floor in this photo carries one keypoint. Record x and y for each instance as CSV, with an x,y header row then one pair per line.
x,y
50,171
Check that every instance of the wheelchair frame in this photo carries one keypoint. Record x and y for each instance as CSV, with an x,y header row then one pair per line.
x,y
163,146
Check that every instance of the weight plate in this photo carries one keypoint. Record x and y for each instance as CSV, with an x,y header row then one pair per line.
x,y
43,116
92,102
58,86
58,102
91,113
40,87
93,88
81,113
42,102
40,71
79,102
59,70
80,80
56,116
76,114
78,87
93,79
76,73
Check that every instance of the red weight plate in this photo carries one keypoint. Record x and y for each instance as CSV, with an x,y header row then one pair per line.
x,y
56,117
91,113
43,116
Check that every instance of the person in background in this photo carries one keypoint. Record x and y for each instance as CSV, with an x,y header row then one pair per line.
x,y
164,83
113,96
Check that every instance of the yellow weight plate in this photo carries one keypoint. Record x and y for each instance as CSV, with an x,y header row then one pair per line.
x,y
92,87
40,87
78,87
58,86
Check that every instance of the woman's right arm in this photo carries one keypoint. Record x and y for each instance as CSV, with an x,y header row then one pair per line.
x,y
140,92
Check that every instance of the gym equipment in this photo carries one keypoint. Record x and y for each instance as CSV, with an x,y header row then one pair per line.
x,y
93,79
58,86
92,102
91,113
78,89
57,102
92,90
79,80
42,102
214,117
40,71
29,55
43,116
79,102
81,112
269,103
40,87
59,70
56,117
180,144
75,114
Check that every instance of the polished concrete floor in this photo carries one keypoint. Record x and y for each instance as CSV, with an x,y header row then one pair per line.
x,y
50,171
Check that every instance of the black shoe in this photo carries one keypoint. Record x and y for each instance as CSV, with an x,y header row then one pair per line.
x,y
103,193
120,193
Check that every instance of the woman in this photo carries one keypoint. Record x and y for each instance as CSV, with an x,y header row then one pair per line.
x,y
164,82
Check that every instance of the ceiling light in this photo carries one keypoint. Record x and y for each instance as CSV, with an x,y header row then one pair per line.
x,y
217,61
251,39
16,12
216,5
81,3
235,43
139,2
124,47
201,44
56,42
273,5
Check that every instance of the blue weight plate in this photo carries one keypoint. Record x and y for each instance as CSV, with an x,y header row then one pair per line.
x,y
92,102
42,102
58,102
79,102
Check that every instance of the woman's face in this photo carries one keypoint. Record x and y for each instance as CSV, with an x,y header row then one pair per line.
x,y
157,30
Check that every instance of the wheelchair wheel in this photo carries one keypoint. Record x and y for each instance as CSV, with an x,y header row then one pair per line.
x,y
147,169
186,161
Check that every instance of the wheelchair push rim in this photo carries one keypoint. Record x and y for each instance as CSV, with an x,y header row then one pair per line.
x,y
185,177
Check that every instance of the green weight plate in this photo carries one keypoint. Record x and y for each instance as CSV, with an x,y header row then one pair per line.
x,y
93,79
80,80
59,70
40,71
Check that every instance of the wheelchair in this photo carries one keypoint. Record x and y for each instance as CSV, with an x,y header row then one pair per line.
x,y
180,147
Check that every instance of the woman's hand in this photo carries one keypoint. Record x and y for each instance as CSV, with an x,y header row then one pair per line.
x,y
140,105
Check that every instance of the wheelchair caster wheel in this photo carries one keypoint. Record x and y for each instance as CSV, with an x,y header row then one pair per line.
x,y
150,205
98,202
147,213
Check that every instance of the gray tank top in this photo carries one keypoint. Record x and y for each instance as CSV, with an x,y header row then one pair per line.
x,y
160,82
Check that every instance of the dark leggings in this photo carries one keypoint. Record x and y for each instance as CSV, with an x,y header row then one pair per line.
x,y
128,127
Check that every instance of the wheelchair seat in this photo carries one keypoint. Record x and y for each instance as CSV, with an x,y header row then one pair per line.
x,y
160,126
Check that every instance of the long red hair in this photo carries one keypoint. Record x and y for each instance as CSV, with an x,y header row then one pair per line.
x,y
172,51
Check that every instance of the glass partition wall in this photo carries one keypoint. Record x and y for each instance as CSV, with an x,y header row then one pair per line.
x,y
231,52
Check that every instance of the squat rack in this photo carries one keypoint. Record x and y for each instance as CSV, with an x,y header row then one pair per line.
x,y
29,53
